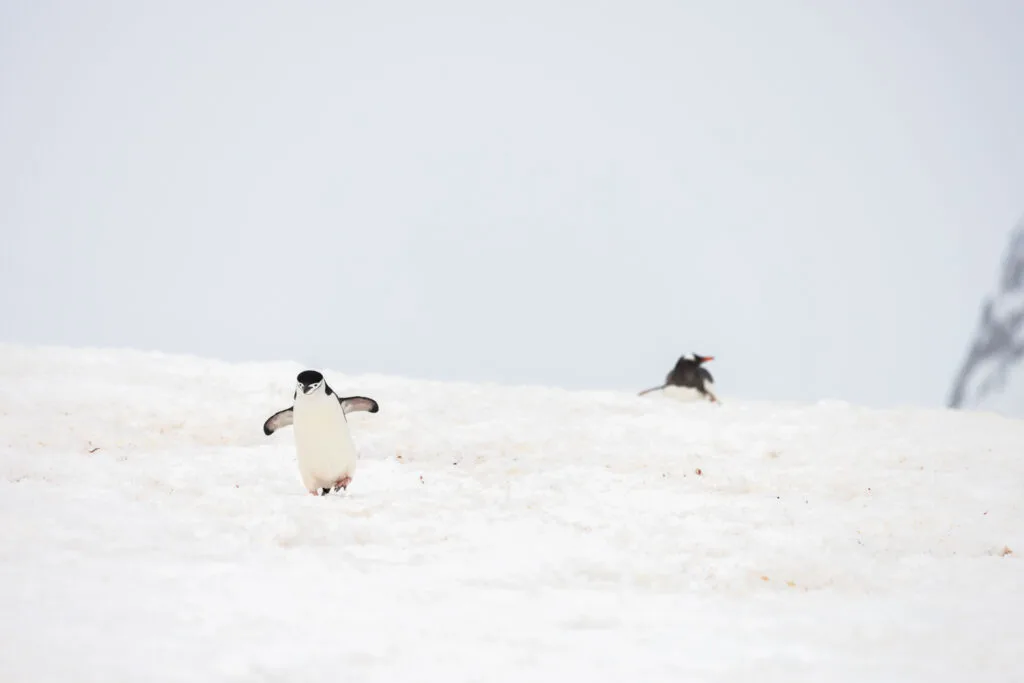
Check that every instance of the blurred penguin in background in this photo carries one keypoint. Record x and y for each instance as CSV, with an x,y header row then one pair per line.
x,y
689,373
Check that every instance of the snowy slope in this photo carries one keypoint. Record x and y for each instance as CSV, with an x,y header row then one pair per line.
x,y
494,534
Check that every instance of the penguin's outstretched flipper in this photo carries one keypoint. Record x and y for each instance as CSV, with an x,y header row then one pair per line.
x,y
354,404
280,419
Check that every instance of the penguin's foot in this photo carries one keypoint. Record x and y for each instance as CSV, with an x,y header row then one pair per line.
x,y
342,483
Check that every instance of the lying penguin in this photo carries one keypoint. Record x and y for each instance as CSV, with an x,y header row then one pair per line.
x,y
323,445
691,374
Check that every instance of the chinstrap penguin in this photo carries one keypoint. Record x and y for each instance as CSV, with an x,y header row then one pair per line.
x,y
689,373
323,446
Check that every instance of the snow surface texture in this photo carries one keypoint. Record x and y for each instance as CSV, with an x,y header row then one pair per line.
x,y
151,532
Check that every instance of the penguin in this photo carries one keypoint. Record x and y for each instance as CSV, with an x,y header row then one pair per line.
x,y
689,373
323,446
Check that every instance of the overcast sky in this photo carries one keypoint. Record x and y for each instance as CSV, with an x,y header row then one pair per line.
x,y
574,193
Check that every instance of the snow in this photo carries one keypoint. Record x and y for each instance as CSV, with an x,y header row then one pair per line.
x,y
151,532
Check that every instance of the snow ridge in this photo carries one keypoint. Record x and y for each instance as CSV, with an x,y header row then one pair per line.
x,y
494,533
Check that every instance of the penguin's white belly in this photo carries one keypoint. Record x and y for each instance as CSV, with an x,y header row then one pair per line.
x,y
323,446
686,394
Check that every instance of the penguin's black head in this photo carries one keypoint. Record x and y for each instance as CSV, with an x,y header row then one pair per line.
x,y
309,381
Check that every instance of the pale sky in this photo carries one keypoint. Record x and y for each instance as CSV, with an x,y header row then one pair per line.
x,y
573,194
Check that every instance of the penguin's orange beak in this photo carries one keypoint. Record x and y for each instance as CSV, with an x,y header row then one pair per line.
x,y
705,359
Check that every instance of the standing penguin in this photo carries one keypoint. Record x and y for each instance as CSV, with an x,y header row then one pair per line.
x,y
689,373
323,445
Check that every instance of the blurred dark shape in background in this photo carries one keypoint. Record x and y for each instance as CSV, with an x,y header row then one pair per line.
x,y
999,341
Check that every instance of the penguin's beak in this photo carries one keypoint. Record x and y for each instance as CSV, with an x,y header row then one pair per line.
x,y
705,359
308,388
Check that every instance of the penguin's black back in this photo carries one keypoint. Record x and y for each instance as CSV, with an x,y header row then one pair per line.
x,y
689,373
